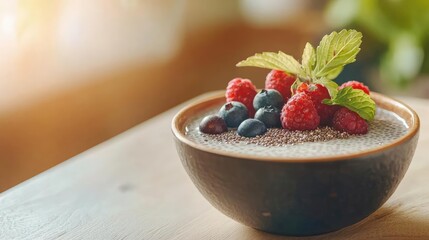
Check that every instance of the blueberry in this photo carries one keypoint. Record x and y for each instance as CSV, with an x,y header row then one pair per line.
x,y
233,113
251,128
269,97
213,124
270,116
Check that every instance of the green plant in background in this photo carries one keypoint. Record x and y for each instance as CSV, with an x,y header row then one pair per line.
x,y
402,26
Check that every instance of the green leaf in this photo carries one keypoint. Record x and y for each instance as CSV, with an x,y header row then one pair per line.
x,y
295,85
270,60
334,74
308,59
356,100
330,85
335,51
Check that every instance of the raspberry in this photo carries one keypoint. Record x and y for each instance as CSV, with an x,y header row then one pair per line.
x,y
281,82
348,121
317,93
355,85
241,90
299,113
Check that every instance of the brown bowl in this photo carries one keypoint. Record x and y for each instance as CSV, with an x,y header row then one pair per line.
x,y
296,196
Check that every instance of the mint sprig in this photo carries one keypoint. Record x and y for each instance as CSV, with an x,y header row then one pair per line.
x,y
335,51
321,66
308,60
356,100
325,62
270,60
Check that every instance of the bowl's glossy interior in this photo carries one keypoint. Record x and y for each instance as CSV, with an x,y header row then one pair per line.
x,y
293,196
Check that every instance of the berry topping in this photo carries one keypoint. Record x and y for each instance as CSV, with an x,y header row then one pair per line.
x,y
316,101
233,113
280,81
270,116
269,97
251,128
213,124
355,85
241,90
348,121
317,93
299,113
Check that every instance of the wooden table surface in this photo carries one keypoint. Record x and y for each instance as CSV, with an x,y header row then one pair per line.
x,y
134,187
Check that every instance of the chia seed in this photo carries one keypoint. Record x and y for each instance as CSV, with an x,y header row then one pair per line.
x,y
276,137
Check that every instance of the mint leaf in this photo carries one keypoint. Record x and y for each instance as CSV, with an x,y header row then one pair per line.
x,y
308,59
335,51
295,85
355,100
270,60
329,84
334,74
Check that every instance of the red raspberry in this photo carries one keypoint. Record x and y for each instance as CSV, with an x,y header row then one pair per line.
x,y
317,93
355,85
299,113
281,82
241,90
348,121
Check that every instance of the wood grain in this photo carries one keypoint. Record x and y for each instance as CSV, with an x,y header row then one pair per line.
x,y
134,187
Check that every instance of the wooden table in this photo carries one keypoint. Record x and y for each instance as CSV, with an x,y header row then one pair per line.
x,y
134,187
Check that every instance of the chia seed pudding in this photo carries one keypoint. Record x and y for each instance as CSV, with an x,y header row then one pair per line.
x,y
324,141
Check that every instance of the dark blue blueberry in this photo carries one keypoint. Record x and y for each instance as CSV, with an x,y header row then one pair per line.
x,y
233,113
269,97
251,128
270,116
213,124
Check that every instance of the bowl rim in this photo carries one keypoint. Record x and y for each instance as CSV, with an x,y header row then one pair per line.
x,y
212,96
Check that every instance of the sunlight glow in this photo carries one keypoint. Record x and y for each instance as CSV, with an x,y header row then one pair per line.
x,y
8,27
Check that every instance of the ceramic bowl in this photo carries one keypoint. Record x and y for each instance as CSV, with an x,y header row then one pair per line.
x,y
296,196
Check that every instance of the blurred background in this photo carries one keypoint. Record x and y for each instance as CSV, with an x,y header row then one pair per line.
x,y
74,73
